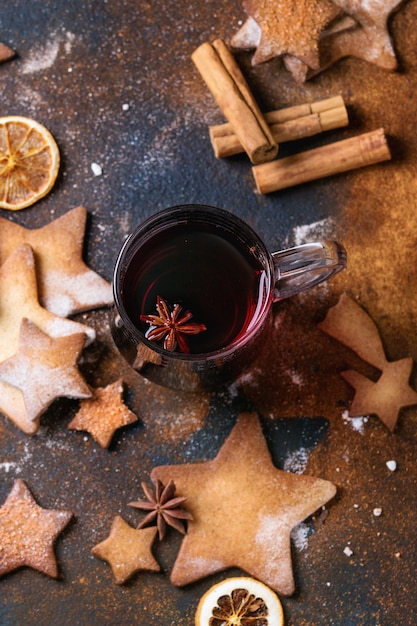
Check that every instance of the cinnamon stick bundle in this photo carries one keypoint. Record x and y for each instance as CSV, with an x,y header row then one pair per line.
x,y
333,158
227,84
288,124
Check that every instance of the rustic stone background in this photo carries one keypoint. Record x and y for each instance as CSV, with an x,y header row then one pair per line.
x,y
78,63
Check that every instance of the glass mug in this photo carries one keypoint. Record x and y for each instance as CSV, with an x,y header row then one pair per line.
x,y
193,288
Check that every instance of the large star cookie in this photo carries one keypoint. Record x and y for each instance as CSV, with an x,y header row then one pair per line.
x,y
28,532
66,284
18,300
290,27
45,368
243,509
103,414
127,550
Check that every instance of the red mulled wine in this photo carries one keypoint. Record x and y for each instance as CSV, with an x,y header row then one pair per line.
x,y
206,270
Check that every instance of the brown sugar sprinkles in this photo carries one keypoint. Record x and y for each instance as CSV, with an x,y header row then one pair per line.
x,y
349,323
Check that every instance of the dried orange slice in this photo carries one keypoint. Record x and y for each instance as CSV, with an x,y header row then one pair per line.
x,y
239,601
29,162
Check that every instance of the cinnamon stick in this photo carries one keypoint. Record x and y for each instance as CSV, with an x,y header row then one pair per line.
x,y
225,143
227,84
333,158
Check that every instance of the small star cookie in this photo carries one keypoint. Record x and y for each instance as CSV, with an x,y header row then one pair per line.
x,y
127,550
103,414
45,368
243,510
28,532
66,285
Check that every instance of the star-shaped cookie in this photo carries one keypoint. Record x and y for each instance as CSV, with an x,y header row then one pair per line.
x,y
243,509
290,27
66,284
351,325
370,40
18,300
127,550
28,532
45,368
103,414
387,396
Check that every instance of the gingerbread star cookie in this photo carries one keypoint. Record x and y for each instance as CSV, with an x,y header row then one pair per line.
x,y
353,327
28,532
45,368
243,510
103,414
369,40
66,285
127,550
18,300
290,27
385,397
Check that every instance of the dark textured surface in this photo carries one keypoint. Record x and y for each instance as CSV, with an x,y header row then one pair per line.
x,y
78,63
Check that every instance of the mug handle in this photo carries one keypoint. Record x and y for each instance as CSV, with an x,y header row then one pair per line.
x,y
304,266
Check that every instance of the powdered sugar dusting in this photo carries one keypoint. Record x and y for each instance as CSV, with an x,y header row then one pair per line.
x,y
65,294
44,56
269,525
300,535
296,461
314,231
60,327
357,423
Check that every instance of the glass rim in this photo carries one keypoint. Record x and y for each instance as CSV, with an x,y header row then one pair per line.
x,y
188,212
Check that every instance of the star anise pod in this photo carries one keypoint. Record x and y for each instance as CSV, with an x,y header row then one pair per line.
x,y
163,507
169,326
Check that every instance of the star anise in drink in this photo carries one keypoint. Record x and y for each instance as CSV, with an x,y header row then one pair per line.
x,y
170,326
163,507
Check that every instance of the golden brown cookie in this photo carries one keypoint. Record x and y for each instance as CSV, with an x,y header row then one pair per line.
x,y
127,550
290,27
66,284
45,368
18,300
103,414
28,532
385,397
370,40
243,509
349,323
